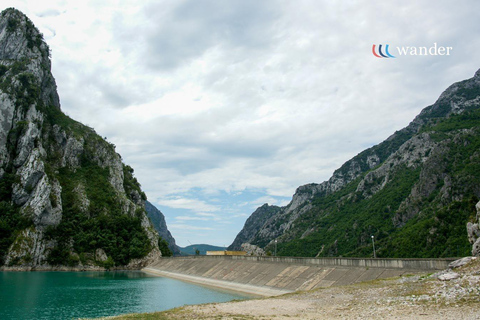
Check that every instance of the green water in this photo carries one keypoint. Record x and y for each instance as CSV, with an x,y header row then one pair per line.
x,y
70,295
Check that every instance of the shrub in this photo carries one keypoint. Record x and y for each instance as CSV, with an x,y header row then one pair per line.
x,y
163,246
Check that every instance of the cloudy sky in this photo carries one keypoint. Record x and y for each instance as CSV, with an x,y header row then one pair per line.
x,y
222,106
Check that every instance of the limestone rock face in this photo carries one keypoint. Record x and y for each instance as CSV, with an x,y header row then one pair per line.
x,y
476,248
27,84
252,250
54,169
100,255
473,231
29,249
158,220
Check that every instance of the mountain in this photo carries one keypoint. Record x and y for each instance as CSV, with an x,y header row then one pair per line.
x,y
414,192
202,248
66,198
158,221
253,224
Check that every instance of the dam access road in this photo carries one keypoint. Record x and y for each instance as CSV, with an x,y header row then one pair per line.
x,y
272,276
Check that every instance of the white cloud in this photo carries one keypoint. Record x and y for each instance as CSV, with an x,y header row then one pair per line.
x,y
190,204
204,98
190,218
266,199
202,216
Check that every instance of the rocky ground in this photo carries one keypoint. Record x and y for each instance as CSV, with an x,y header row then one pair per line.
x,y
457,296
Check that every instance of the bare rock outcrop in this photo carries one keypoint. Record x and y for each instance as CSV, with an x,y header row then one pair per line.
x,y
252,250
473,231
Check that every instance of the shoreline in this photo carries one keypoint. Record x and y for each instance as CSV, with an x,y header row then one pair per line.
x,y
258,291
66,269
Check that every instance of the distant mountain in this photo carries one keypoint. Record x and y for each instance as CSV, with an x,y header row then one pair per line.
x,y
414,192
66,197
203,248
158,221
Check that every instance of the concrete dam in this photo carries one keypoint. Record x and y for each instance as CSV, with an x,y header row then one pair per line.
x,y
270,276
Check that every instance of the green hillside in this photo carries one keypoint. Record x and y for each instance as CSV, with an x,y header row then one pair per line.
x,y
344,221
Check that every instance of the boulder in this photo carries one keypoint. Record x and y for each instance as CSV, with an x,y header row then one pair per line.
x,y
448,276
460,262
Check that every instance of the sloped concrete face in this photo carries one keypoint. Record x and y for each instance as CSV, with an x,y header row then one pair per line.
x,y
269,276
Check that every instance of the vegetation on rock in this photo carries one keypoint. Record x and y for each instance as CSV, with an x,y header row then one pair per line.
x,y
163,246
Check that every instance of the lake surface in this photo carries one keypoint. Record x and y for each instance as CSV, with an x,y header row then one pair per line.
x,y
71,295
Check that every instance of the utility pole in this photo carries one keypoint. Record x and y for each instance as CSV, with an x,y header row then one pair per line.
x,y
275,247
373,242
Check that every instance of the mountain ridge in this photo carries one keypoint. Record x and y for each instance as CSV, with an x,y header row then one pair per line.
x,y
415,147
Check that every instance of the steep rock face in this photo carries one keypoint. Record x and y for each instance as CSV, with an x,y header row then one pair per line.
x,y
252,250
58,179
416,176
253,224
473,231
158,221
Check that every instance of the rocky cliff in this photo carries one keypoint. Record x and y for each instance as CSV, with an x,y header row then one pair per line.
x,y
253,224
414,192
159,223
66,198
473,230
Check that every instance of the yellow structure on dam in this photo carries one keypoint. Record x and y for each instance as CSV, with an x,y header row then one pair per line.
x,y
226,253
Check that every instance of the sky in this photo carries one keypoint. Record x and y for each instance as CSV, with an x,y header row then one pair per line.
x,y
222,106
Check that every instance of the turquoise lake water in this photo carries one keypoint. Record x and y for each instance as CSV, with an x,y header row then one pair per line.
x,y
71,295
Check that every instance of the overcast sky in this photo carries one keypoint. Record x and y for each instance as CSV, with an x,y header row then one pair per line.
x,y
222,106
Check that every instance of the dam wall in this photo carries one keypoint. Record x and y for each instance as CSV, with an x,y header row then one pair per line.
x,y
269,276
